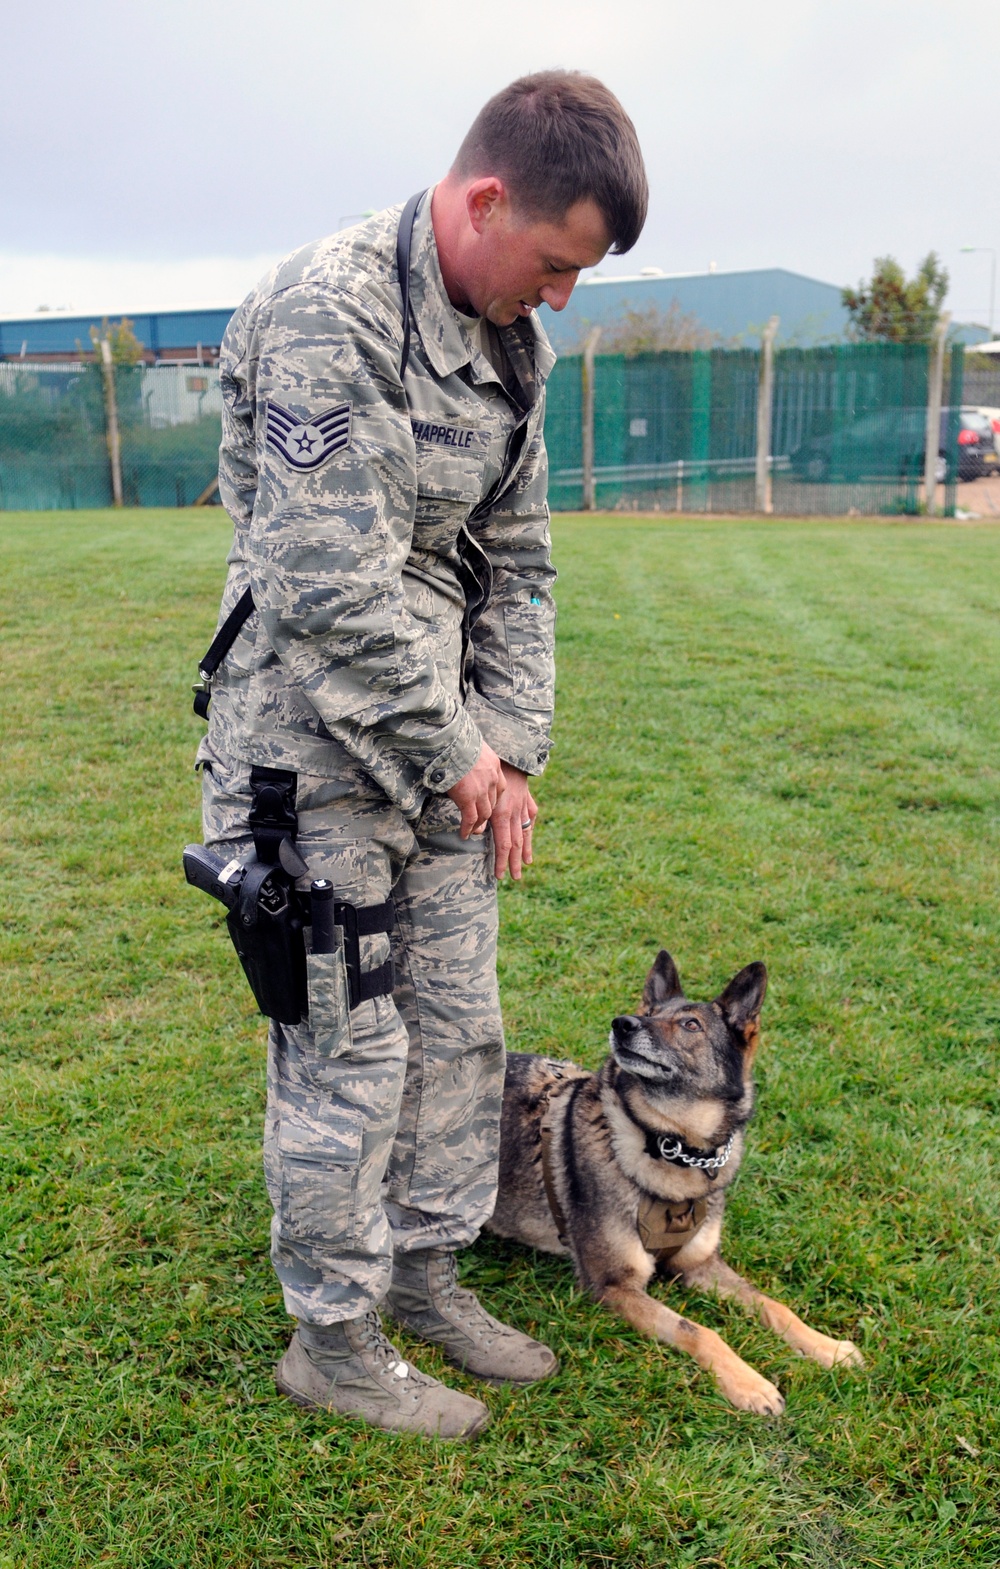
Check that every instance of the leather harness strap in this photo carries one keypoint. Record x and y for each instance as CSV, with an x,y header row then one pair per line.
x,y
664,1226
545,1129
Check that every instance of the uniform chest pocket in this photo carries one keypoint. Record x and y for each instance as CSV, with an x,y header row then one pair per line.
x,y
450,460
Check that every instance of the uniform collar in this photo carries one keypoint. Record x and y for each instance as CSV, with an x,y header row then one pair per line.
x,y
447,341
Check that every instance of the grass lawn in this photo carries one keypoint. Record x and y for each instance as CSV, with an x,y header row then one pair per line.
x,y
775,740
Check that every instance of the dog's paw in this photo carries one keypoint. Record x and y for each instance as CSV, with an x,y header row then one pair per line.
x,y
836,1353
846,1354
750,1391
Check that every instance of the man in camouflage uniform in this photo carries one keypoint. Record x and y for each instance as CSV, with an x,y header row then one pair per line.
x,y
394,531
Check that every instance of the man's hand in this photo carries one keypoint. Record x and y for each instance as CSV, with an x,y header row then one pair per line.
x,y
512,821
478,791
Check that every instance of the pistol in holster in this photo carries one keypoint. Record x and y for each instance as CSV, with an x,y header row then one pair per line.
x,y
267,912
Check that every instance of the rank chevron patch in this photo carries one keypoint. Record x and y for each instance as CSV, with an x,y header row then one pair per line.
x,y
306,444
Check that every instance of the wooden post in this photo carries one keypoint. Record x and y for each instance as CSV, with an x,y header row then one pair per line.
x,y
587,427
765,397
207,493
935,385
111,422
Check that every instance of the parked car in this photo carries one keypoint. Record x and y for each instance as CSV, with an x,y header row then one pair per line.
x,y
993,415
889,444
977,440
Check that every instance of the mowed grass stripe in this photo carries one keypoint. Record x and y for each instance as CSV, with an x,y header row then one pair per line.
x,y
775,740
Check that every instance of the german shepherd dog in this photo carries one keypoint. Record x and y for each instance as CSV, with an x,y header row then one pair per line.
x,y
626,1169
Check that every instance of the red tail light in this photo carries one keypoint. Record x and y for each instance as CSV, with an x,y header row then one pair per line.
x,y
996,424
968,438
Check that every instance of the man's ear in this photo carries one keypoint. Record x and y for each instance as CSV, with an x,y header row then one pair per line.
x,y
482,198
662,983
742,1001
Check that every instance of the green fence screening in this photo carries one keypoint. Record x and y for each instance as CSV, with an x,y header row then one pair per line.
x,y
53,449
170,420
849,428
672,432
678,431
53,435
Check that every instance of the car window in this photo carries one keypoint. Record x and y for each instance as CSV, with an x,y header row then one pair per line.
x,y
978,422
885,424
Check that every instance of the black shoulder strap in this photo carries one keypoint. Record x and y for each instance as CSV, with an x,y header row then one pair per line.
x,y
226,635
244,606
404,243
221,643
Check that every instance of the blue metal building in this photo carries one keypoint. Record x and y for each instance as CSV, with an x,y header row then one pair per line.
x,y
735,305
179,334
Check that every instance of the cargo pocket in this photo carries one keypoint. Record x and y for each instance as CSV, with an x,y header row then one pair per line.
x,y
320,1163
329,1007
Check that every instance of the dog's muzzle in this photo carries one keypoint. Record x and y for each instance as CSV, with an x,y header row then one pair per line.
x,y
632,1046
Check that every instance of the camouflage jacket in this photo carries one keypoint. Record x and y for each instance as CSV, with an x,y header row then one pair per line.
x,y
398,618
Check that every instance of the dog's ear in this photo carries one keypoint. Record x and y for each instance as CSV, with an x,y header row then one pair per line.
x,y
662,983
742,1001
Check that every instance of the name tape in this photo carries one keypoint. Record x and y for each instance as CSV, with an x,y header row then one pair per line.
x,y
444,435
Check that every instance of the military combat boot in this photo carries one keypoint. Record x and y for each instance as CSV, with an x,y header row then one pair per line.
x,y
425,1297
354,1369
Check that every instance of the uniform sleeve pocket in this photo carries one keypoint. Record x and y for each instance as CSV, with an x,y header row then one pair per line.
x,y
320,1162
329,1009
529,648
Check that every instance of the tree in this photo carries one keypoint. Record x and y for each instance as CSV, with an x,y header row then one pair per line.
x,y
651,330
125,346
891,310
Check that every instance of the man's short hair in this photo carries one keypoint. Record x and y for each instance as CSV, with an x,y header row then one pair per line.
x,y
556,138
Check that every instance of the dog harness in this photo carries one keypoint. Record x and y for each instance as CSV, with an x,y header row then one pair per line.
x,y
664,1225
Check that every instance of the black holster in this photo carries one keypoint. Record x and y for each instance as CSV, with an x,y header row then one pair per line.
x,y
267,912
266,925
266,921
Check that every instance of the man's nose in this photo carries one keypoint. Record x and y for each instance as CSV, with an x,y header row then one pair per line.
x,y
556,295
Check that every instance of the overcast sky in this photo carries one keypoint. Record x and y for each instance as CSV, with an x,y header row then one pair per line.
x,y
158,152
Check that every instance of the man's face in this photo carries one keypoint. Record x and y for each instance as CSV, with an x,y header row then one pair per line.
x,y
519,264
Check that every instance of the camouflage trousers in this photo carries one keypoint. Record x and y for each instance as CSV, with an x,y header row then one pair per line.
x,y
382,1124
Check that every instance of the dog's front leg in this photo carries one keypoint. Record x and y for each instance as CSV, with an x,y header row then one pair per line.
x,y
715,1275
747,1389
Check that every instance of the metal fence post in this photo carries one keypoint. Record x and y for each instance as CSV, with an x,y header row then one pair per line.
x,y
935,384
587,431
111,421
765,395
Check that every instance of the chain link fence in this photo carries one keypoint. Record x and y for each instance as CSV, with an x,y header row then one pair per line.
x,y
672,431
981,386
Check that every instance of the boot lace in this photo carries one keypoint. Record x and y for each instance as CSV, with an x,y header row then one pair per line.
x,y
461,1306
376,1344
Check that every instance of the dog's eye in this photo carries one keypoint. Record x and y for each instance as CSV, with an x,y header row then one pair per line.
x,y
690,1024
